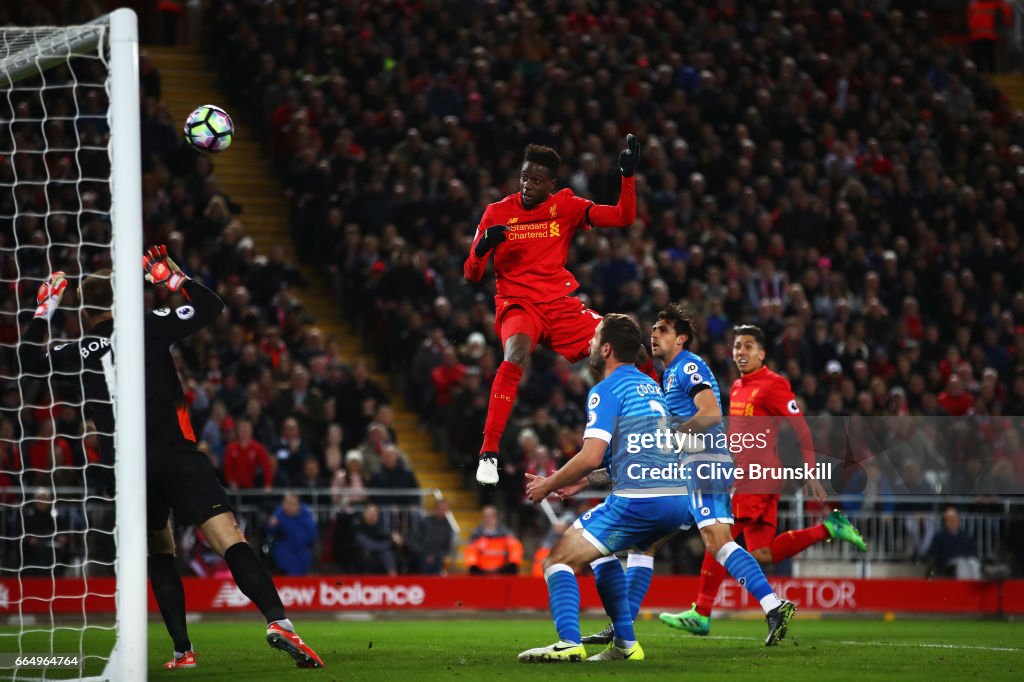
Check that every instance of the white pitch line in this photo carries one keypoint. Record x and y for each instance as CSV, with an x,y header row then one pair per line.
x,y
909,645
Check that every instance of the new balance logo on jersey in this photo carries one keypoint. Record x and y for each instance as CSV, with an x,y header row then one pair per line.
x,y
229,595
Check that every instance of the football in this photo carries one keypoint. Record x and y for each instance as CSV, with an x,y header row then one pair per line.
x,y
209,129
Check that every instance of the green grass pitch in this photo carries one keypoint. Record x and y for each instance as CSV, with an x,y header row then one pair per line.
x,y
423,650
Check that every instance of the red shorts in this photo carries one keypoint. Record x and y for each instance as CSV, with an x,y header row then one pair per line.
x,y
564,325
757,517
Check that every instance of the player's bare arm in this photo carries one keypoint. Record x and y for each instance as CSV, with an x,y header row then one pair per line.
x,y
599,478
708,413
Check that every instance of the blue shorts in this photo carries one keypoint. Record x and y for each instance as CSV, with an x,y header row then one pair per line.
x,y
621,523
709,508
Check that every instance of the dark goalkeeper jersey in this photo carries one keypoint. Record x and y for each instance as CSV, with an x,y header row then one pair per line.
x,y
168,425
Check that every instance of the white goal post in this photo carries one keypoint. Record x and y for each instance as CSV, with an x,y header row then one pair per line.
x,y
26,54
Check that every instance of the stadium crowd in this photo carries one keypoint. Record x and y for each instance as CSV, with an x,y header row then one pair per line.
x,y
828,171
833,173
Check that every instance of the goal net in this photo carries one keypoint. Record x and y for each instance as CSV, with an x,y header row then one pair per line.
x,y
72,487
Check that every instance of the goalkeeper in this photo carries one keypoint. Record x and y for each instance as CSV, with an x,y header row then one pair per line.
x,y
178,476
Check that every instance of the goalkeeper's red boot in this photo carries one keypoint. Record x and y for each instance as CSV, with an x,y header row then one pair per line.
x,y
292,644
188,660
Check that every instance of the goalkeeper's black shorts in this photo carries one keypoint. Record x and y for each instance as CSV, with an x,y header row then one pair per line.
x,y
183,481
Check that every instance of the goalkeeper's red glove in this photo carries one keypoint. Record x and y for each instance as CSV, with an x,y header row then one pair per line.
x,y
49,295
161,270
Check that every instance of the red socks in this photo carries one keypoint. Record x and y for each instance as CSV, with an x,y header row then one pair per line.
x,y
793,542
503,396
783,546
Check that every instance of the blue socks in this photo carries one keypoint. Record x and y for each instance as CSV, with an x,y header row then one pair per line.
x,y
614,592
564,597
639,571
742,566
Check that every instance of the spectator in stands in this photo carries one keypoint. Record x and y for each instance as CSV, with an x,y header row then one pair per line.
x,y
245,457
446,377
231,394
312,476
292,529
292,452
432,541
953,550
50,453
377,546
362,396
492,548
10,466
955,400
333,454
213,431
385,416
538,463
466,418
393,474
373,447
263,429
302,403
986,19
348,483
43,547
874,488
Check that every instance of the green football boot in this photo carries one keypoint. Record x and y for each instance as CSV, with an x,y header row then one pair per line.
x,y
690,621
840,528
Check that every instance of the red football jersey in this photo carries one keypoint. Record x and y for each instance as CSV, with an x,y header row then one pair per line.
x,y
763,393
530,263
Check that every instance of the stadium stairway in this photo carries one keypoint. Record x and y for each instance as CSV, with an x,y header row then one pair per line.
x,y
1012,85
245,175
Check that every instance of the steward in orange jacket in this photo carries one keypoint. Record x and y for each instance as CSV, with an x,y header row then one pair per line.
x,y
492,548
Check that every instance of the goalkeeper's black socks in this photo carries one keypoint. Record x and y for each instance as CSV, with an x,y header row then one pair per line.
x,y
254,580
170,597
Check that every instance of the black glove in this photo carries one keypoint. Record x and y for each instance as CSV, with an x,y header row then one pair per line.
x,y
493,235
630,156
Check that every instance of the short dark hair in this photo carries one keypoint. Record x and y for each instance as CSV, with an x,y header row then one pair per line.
x,y
97,292
623,333
680,322
543,156
749,330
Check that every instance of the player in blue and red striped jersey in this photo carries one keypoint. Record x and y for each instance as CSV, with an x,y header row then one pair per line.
x,y
529,234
